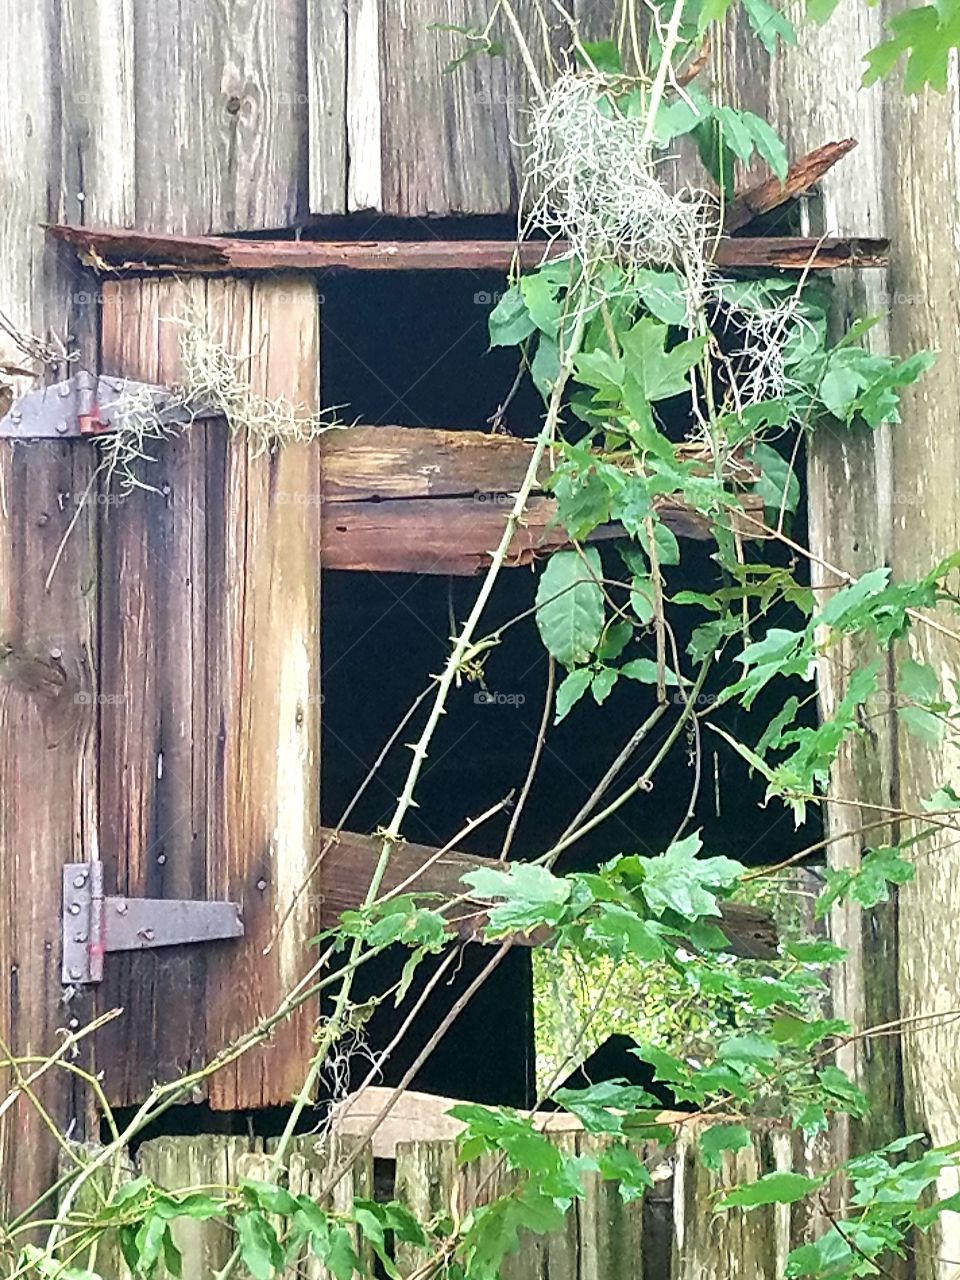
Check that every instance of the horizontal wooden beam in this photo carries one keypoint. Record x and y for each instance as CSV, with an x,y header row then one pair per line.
x,y
138,252
414,500
349,860
765,196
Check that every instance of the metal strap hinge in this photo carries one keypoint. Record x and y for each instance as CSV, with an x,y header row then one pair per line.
x,y
94,923
88,405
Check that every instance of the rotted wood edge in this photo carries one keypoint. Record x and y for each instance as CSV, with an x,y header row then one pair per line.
x,y
138,252
348,861
763,197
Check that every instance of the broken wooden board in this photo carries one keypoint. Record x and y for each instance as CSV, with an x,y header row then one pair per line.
x,y
415,500
763,197
348,861
139,252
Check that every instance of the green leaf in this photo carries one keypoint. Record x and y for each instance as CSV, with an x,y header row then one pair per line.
x,y
571,690
259,1248
621,1164
815,951
778,484
530,896
663,294
665,543
773,1188
545,366
510,321
604,55
645,670
268,1196
570,605
719,1138
620,931
659,373
820,11
768,24
598,1105
615,640
925,37
922,724
539,294
679,881
918,682
712,11
602,684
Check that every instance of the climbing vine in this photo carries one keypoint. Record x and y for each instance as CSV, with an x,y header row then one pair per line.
x,y
661,376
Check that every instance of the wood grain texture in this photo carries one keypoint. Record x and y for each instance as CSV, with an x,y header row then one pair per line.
x,y
221,115
924,301
444,137
139,252
97,111
326,37
771,193
48,772
212,758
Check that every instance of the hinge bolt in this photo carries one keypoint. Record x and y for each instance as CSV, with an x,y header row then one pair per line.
x,y
80,880
79,937
121,908
147,934
261,885
16,415
56,654
74,908
62,428
76,973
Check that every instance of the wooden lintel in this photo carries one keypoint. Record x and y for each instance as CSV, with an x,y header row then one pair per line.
x,y
138,252
349,860
415,500
765,196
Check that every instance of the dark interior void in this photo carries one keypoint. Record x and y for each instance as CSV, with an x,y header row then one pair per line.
x,y
411,349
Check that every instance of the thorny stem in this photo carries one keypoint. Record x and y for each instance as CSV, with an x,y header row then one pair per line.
x,y
333,1029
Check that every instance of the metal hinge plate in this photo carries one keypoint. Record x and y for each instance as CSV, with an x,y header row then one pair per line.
x,y
88,405
94,923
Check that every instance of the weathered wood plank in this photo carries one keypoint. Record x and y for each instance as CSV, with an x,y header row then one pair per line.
x,y
221,115
923,149
153,726
97,115
48,771
810,91
264,708
326,38
348,861
138,251
211,782
445,142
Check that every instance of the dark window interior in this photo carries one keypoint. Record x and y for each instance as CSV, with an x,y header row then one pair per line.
x,y
411,349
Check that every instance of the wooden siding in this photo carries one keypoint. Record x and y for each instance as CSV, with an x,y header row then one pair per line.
x,y
211,750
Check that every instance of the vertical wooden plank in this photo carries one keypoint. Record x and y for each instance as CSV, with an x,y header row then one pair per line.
x,y
264,701
610,1230
327,107
814,94
923,145
97,112
445,142
221,115
153,721
48,793
363,118
715,1246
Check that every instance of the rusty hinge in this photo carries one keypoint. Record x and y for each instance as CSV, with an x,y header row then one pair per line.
x,y
88,405
94,923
